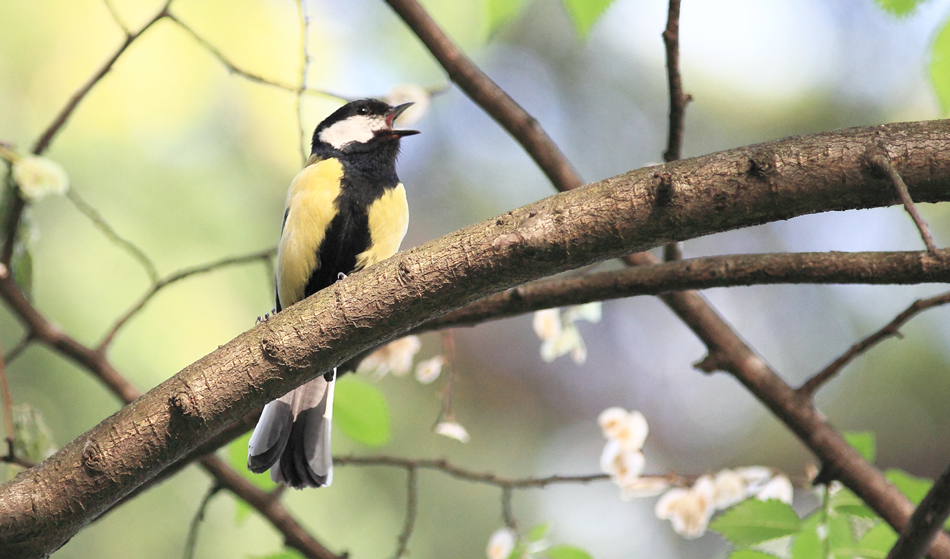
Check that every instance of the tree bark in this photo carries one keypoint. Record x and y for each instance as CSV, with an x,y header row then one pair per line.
x,y
43,507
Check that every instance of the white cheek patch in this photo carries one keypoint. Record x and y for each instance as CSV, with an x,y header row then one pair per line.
x,y
358,128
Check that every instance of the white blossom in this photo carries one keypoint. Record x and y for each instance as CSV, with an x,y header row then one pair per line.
x,y
430,369
501,543
410,93
567,341
728,489
38,176
547,324
778,488
629,428
395,357
646,486
591,312
452,430
623,464
689,510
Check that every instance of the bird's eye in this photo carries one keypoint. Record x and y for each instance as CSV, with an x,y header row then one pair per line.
x,y
362,111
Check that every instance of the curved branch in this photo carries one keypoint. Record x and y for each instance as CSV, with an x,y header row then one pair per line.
x,y
877,268
726,190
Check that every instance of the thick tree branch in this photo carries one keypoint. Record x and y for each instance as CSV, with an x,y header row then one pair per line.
x,y
718,192
926,522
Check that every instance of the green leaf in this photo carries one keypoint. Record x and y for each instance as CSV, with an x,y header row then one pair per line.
x,y
237,457
845,502
360,411
913,487
500,12
566,552
751,554
940,67
899,7
753,521
807,544
585,13
22,264
877,542
863,442
538,532
32,438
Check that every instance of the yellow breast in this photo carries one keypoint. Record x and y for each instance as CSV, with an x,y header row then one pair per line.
x,y
388,222
310,210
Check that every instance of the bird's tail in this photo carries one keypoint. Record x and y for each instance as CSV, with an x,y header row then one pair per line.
x,y
292,437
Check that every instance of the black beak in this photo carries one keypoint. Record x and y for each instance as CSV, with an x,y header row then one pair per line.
x,y
394,114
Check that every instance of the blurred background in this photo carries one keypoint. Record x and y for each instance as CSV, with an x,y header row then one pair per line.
x,y
191,163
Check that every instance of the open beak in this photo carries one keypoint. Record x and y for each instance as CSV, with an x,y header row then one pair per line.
x,y
393,115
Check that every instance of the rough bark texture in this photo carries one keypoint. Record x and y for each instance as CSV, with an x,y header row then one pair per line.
x,y
43,507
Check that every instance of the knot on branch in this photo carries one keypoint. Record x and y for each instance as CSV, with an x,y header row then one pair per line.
x,y
270,347
664,188
762,162
93,458
185,404
709,364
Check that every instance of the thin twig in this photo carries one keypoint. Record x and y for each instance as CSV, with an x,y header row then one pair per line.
x,y
47,137
18,204
116,17
678,99
192,540
461,473
7,409
234,69
882,163
90,212
16,350
507,513
891,329
304,68
487,95
412,496
264,255
928,519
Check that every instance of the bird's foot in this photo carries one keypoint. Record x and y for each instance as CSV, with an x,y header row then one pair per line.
x,y
266,316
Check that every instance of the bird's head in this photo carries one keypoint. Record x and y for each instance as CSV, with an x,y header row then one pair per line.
x,y
360,126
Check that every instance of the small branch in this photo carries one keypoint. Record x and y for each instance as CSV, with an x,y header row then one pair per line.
x,y
264,255
891,329
16,350
17,203
107,230
192,540
47,137
7,410
678,99
467,475
412,496
507,513
883,164
304,68
116,17
487,95
872,268
231,67
926,522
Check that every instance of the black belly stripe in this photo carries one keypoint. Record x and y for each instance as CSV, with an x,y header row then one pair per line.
x,y
348,235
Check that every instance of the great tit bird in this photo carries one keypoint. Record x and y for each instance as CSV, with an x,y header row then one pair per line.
x,y
345,210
